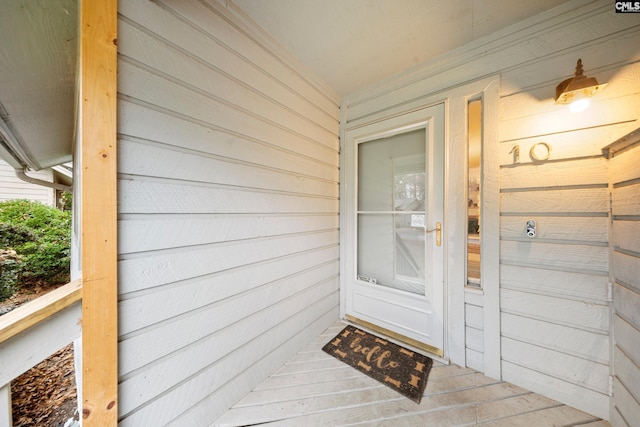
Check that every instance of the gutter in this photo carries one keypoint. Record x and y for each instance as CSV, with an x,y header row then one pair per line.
x,y
20,173
9,149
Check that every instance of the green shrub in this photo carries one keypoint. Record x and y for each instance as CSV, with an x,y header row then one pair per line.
x,y
41,236
9,270
12,235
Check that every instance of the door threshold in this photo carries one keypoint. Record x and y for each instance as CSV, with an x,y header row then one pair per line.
x,y
438,353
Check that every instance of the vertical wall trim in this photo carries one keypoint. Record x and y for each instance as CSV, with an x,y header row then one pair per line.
x,y
490,234
98,88
344,222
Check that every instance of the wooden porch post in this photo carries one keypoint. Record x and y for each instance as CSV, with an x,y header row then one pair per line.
x,y
98,92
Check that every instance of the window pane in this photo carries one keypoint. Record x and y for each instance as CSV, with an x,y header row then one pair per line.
x,y
391,211
474,192
391,172
391,252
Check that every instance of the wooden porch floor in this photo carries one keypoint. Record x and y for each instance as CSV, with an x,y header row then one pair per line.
x,y
314,389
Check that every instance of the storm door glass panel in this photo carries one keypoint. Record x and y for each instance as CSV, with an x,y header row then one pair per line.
x,y
391,211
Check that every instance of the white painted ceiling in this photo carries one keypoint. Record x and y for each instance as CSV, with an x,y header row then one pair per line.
x,y
351,44
38,66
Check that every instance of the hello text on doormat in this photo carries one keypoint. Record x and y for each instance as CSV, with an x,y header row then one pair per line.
x,y
401,369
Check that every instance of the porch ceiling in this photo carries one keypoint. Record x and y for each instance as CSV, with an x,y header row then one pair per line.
x,y
38,66
351,44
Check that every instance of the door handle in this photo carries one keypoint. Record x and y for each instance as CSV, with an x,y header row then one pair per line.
x,y
438,231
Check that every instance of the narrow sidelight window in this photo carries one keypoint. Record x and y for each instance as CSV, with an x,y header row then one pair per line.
x,y
474,192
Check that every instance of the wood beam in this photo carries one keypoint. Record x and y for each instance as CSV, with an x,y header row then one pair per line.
x,y
98,212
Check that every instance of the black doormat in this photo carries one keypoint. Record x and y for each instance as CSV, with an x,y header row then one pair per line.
x,y
403,370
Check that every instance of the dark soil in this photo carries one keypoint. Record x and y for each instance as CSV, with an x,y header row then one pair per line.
x,y
45,395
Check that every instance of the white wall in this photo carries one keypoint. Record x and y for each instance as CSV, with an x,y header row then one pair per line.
x,y
11,187
625,274
474,330
228,210
554,295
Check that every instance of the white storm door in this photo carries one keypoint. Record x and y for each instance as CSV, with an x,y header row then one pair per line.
x,y
394,202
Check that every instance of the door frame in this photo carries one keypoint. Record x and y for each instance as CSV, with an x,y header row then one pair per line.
x,y
429,337
456,99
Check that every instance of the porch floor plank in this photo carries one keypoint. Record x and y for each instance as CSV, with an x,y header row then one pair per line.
x,y
315,389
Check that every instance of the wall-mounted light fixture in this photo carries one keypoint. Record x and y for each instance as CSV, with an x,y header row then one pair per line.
x,y
577,90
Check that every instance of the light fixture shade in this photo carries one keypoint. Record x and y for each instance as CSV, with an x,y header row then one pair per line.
x,y
577,87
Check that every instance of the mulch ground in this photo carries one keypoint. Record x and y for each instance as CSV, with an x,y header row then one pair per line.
x,y
45,395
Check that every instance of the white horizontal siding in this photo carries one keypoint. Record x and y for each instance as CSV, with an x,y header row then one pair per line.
x,y
625,274
231,392
474,330
554,298
564,391
554,287
170,231
580,201
169,266
566,339
214,333
228,210
148,345
12,187
581,286
172,300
